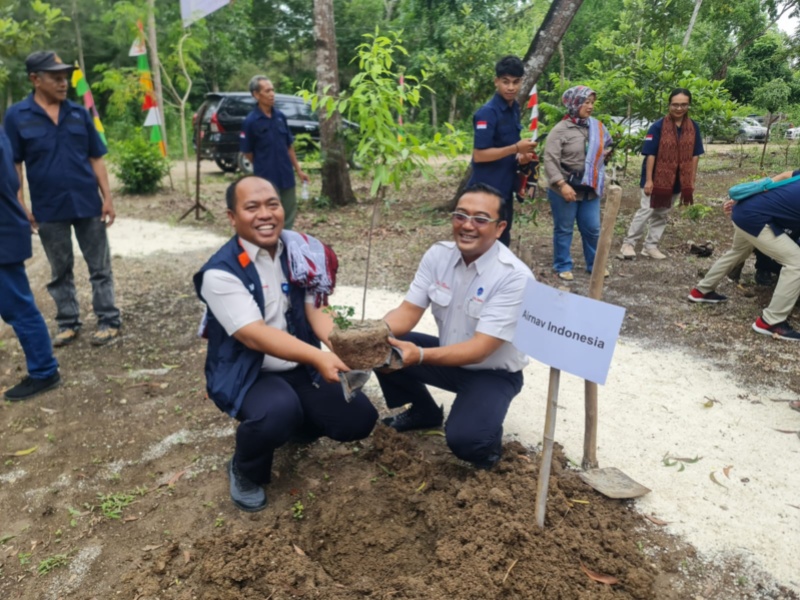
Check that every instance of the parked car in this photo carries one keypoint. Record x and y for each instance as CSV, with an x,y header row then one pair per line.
x,y
632,125
793,133
739,130
225,112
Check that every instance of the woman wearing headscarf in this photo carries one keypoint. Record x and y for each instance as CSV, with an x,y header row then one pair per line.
x,y
574,163
671,149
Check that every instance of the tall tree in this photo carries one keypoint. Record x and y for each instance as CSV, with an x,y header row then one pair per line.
x,y
335,174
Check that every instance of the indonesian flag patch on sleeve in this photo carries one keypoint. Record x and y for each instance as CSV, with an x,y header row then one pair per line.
x,y
648,137
480,125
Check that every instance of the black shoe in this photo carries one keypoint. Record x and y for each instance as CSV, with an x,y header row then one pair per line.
x,y
246,495
490,461
30,387
410,419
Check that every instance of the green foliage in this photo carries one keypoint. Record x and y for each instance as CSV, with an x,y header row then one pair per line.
x,y
53,562
341,315
374,100
297,510
139,165
697,212
773,96
111,505
20,33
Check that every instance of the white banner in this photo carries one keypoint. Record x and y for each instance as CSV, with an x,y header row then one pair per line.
x,y
194,10
569,332
138,47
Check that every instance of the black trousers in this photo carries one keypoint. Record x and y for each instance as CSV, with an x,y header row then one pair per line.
x,y
281,405
474,427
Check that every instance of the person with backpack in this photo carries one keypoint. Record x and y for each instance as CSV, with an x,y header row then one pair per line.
x,y
766,221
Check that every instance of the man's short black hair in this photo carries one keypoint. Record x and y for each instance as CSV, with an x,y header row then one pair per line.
x,y
509,65
485,188
230,193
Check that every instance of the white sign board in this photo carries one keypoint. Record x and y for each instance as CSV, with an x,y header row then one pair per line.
x,y
194,10
568,332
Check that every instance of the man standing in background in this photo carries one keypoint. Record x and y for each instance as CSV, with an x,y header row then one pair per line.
x,y
497,147
63,156
269,146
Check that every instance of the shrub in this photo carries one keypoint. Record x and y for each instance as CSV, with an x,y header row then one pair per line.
x,y
139,165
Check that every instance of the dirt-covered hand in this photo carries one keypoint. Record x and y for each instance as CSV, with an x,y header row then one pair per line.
x,y
329,365
410,351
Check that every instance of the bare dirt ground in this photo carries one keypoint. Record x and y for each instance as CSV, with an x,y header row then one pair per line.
x,y
114,486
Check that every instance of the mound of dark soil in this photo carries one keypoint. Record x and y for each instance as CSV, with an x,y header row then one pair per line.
x,y
401,518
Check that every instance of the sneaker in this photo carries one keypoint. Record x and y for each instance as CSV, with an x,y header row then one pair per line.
x,y
627,252
409,420
711,297
566,275
104,335
781,331
246,495
653,253
65,336
30,387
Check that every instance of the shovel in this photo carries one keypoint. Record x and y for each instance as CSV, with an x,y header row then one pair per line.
x,y
610,481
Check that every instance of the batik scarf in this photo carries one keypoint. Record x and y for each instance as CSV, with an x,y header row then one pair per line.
x,y
312,265
675,155
594,169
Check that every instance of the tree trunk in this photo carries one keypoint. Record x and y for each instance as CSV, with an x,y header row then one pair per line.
x,y
561,66
155,66
543,46
79,39
453,104
335,174
766,140
434,112
697,5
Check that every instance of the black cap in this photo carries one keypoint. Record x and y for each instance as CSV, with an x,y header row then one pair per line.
x,y
45,60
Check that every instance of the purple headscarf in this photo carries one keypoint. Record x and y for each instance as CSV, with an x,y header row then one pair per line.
x,y
573,99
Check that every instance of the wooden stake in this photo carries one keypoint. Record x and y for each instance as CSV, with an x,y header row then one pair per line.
x,y
596,292
547,447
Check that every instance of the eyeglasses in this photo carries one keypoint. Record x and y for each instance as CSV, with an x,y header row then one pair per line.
x,y
684,106
479,220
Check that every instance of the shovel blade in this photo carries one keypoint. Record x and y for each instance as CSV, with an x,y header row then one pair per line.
x,y
613,483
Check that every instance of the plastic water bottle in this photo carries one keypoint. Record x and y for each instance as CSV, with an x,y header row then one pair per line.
x,y
304,192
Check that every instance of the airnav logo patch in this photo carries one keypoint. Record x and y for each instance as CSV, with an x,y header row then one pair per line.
x,y
481,125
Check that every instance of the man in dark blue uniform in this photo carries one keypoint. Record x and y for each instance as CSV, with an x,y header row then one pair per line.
x,y
63,156
17,307
268,144
497,147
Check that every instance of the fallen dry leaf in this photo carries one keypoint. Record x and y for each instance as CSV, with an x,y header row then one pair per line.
x,y
714,479
24,452
656,520
298,550
151,548
174,479
599,577
129,519
727,471
787,430
186,557
49,411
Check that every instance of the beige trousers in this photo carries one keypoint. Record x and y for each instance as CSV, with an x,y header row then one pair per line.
x,y
655,217
783,249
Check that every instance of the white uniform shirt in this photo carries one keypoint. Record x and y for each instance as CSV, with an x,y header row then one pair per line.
x,y
484,297
234,306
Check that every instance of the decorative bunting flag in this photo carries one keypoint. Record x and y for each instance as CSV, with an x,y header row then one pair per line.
x,y
149,103
533,104
83,90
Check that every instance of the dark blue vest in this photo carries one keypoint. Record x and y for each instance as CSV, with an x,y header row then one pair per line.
x,y
231,367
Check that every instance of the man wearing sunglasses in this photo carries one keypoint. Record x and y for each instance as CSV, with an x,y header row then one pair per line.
x,y
474,286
